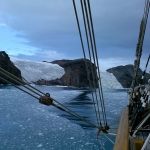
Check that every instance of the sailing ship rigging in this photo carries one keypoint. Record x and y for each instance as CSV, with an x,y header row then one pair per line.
x,y
138,112
137,115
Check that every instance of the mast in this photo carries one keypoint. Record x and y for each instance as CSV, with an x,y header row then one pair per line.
x,y
139,47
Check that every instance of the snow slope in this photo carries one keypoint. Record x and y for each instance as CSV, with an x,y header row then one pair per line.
x,y
34,71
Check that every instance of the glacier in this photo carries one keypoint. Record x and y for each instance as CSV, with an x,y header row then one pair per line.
x,y
109,81
34,71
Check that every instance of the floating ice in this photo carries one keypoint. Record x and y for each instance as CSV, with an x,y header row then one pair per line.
x,y
40,134
39,145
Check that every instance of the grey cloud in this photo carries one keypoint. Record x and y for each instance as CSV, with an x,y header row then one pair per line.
x,y
51,24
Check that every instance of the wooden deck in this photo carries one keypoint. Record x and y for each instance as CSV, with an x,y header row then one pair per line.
x,y
122,139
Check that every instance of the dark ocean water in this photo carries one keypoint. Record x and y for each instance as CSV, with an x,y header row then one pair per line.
x,y
27,125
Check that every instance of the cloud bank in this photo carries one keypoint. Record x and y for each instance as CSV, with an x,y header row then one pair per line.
x,y
47,29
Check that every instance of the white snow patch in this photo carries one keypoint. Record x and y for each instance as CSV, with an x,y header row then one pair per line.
x,y
34,71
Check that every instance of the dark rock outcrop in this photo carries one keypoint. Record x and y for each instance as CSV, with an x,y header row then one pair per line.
x,y
124,74
7,65
75,73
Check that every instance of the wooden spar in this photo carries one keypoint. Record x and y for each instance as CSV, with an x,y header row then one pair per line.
x,y
122,139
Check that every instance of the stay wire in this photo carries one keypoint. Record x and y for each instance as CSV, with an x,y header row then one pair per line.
x,y
18,81
92,48
95,48
83,49
146,18
86,31
147,62
91,67
75,10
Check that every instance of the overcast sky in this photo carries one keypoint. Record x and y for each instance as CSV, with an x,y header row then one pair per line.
x,y
47,30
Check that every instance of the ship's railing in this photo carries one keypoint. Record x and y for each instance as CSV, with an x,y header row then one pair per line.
x,y
122,139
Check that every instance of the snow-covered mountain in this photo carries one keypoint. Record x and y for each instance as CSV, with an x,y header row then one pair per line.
x,y
34,71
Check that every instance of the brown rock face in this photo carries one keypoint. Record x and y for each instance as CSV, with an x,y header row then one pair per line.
x,y
7,65
75,73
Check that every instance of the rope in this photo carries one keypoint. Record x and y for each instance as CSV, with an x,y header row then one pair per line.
x,y
141,124
91,67
95,48
86,30
93,53
110,140
23,83
77,20
18,87
147,62
89,30
75,10
9,75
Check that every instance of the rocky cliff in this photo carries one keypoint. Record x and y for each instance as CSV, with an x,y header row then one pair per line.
x,y
124,74
6,64
75,73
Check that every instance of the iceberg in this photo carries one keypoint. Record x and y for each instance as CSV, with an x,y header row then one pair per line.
x,y
34,71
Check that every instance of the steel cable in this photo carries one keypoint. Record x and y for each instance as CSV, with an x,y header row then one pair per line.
x,y
83,49
93,53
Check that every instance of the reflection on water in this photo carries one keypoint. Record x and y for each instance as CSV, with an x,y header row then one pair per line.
x,y
115,100
83,105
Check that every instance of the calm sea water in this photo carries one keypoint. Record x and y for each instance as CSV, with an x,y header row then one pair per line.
x,y
27,125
